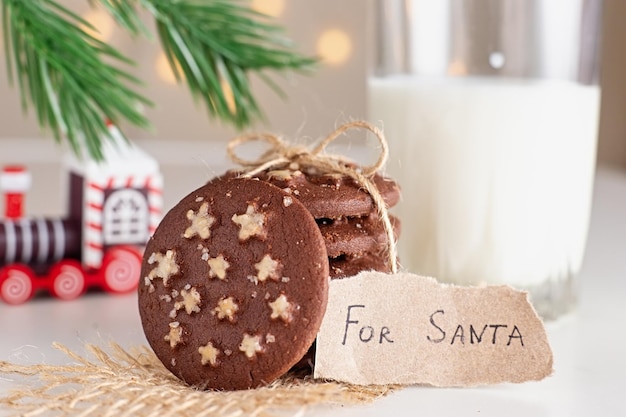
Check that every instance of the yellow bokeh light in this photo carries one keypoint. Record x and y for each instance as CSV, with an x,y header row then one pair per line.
x,y
102,22
334,46
164,71
272,8
457,67
229,96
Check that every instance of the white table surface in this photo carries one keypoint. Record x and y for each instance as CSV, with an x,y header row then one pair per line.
x,y
589,345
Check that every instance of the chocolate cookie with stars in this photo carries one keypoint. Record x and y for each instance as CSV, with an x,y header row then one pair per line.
x,y
234,285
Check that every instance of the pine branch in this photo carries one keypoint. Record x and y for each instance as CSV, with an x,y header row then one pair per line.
x,y
62,73
215,45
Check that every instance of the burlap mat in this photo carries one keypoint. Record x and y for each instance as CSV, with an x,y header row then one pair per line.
x,y
135,383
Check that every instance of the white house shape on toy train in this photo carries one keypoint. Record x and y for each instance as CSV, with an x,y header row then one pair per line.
x,y
117,201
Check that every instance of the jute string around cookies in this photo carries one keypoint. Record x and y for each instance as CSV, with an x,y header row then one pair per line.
x,y
283,154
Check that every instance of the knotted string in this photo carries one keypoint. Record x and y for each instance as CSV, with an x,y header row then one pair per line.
x,y
283,154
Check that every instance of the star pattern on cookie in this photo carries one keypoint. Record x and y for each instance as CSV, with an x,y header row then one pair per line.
x,y
190,302
175,336
267,268
250,345
251,223
166,266
226,309
218,267
281,308
201,222
208,354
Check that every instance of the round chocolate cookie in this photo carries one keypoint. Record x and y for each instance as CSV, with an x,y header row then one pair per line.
x,y
355,235
234,285
330,195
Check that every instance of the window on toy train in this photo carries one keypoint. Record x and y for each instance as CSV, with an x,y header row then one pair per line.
x,y
126,218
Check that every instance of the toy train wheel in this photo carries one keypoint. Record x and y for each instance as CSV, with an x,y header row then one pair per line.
x,y
16,284
121,268
68,280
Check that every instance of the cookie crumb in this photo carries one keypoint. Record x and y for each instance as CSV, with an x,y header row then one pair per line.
x,y
199,199
287,201
270,338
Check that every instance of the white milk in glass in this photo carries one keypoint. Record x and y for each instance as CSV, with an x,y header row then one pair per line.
x,y
496,175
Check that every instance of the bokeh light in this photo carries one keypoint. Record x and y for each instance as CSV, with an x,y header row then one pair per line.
x,y
457,67
164,71
272,8
102,22
229,96
334,46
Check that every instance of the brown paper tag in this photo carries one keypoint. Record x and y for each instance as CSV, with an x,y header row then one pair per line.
x,y
408,329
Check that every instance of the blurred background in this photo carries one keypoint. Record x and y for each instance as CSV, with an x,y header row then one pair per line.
x,y
314,104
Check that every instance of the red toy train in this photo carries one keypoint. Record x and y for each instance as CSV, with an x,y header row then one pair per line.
x,y
114,206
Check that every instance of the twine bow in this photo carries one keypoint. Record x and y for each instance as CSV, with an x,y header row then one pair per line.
x,y
283,154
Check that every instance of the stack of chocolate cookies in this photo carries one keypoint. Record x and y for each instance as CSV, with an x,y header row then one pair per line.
x,y
235,279
348,219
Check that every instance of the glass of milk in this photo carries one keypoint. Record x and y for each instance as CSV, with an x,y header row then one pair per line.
x,y
491,111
